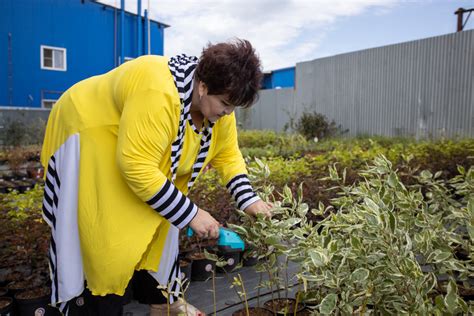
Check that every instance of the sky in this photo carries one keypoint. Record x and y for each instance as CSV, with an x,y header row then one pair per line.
x,y
285,32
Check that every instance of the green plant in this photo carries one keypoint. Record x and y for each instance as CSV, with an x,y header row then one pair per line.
x,y
237,282
19,133
364,254
272,239
313,124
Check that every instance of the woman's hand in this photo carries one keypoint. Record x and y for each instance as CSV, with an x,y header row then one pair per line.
x,y
204,225
259,207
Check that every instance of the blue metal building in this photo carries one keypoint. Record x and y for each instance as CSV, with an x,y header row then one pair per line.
x,y
46,46
279,78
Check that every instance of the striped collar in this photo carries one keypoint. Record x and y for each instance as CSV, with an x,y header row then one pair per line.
x,y
182,68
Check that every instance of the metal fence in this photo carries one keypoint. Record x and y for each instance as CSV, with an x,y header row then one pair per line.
x,y
423,88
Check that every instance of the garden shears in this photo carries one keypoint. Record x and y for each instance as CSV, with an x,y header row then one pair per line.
x,y
229,241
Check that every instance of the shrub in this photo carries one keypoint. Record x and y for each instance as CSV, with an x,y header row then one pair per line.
x,y
19,133
257,138
314,124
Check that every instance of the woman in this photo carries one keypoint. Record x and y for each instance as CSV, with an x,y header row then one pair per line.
x,y
122,151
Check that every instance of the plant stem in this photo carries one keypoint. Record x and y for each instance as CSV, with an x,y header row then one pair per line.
x,y
297,302
214,290
286,277
258,288
245,295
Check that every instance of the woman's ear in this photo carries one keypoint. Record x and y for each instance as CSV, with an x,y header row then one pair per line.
x,y
202,89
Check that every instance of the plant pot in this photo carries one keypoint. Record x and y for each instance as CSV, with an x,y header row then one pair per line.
x,y
232,259
253,311
6,306
9,275
35,172
249,261
185,265
20,286
35,302
280,304
6,186
77,307
22,186
202,268
306,299
305,312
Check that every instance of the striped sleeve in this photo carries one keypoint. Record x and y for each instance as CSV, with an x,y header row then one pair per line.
x,y
241,190
173,205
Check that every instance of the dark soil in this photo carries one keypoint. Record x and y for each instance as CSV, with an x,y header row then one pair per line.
x,y
33,293
197,256
282,304
304,312
4,302
19,285
253,311
466,293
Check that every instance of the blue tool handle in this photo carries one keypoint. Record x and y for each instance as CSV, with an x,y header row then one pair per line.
x,y
189,232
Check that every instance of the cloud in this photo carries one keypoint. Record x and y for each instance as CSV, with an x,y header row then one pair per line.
x,y
283,32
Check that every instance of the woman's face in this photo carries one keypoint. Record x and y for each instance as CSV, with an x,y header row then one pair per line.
x,y
213,107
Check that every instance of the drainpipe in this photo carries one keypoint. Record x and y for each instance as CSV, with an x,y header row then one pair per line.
x,y
149,30
10,70
122,30
139,28
146,31
115,36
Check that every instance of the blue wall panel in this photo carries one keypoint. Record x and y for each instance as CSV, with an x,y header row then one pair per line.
x,y
283,78
85,29
280,78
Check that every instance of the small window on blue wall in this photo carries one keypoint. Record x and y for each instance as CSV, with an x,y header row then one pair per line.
x,y
47,103
53,58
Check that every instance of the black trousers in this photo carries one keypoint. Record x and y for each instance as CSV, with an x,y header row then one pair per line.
x,y
142,287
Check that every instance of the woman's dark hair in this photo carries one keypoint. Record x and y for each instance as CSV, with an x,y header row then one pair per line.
x,y
233,69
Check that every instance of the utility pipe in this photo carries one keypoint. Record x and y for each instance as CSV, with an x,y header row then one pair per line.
x,y
461,23
139,28
149,30
115,35
146,31
122,31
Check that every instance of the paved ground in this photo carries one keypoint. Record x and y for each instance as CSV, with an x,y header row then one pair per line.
x,y
200,295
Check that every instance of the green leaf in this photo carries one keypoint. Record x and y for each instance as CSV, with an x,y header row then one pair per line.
x,y
238,229
355,242
291,222
360,275
272,240
328,304
392,222
371,204
319,259
210,256
442,256
425,174
392,180
451,297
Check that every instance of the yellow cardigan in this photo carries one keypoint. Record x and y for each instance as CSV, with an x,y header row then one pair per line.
x,y
127,120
